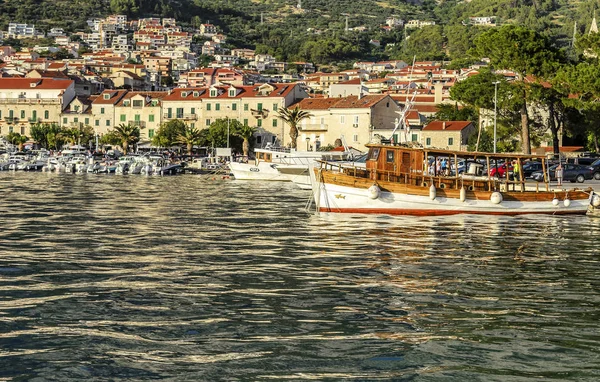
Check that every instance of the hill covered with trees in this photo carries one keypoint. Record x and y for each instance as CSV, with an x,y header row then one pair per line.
x,y
318,30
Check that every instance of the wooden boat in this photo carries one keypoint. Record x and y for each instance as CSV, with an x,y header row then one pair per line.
x,y
400,180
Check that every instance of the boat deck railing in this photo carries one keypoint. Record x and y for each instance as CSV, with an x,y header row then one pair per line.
x,y
420,178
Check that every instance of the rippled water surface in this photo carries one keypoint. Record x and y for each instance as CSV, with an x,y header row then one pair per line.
x,y
187,279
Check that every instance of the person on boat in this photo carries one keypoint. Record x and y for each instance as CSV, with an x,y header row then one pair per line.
x,y
438,167
516,170
444,166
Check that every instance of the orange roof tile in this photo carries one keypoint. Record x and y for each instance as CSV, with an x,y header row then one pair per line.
x,y
447,125
42,83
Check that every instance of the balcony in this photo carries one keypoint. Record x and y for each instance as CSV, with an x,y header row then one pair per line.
x,y
189,117
10,119
140,124
313,127
34,120
262,113
30,101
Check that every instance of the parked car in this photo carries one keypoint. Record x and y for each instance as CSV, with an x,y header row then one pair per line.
x,y
500,170
530,167
596,167
571,172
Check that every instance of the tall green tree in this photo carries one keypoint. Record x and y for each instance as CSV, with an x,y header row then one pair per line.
x,y
127,135
17,139
191,136
167,134
221,129
246,133
521,50
293,117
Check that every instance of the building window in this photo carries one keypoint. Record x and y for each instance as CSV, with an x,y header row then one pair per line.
x,y
259,106
75,119
234,107
22,114
22,130
450,141
259,122
46,114
193,111
213,92
151,118
34,115
274,123
123,118
138,103
245,107
208,122
11,114
97,122
356,120
101,110
150,133
137,118
274,107
428,142
208,107
355,137
108,122
259,140
245,121
64,121
179,112
342,119
414,137
10,129
217,106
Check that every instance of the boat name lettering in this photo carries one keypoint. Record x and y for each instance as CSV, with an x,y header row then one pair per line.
x,y
255,169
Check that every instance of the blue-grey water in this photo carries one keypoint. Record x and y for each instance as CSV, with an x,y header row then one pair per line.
x,y
130,278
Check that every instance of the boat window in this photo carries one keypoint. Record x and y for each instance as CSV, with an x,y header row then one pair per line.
x,y
374,154
390,156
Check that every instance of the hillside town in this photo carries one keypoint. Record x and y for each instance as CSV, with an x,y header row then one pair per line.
x,y
149,71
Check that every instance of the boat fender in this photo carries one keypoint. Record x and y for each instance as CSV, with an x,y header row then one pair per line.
x,y
567,202
596,200
555,201
432,192
463,194
443,185
373,192
496,197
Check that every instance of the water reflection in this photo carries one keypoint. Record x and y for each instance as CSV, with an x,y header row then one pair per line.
x,y
134,278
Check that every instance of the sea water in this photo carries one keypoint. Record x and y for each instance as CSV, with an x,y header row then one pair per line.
x,y
185,278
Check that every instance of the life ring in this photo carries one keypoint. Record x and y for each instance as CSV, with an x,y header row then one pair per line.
x,y
442,185
470,188
425,184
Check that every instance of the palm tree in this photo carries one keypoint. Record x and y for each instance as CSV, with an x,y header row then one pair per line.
x,y
245,132
127,134
293,117
17,139
190,137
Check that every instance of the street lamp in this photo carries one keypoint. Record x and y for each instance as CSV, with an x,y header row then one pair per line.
x,y
495,110
227,126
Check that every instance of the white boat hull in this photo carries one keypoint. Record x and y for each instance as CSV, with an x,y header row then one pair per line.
x,y
261,171
345,199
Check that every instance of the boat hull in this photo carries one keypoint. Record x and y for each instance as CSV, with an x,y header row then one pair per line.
x,y
341,193
261,171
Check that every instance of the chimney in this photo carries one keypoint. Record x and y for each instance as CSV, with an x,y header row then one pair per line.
x,y
444,125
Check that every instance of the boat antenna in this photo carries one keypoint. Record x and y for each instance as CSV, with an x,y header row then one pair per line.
x,y
407,104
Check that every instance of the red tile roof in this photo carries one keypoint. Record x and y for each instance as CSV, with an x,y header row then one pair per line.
x,y
42,83
447,125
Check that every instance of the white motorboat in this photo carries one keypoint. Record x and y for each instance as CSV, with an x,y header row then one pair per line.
x,y
270,161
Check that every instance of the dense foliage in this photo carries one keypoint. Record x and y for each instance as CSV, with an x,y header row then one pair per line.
x,y
317,32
